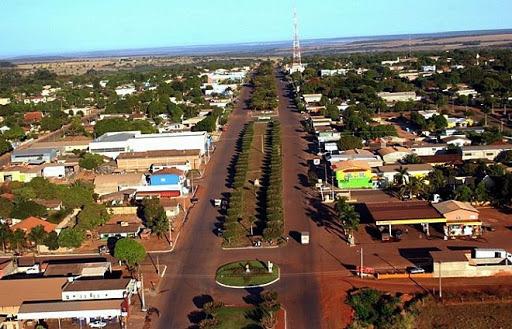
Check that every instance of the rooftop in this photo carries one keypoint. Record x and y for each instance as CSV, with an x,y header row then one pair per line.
x,y
441,158
391,149
452,205
33,151
158,154
30,290
118,228
66,306
95,285
125,179
448,256
383,211
351,165
169,171
31,222
117,137
409,167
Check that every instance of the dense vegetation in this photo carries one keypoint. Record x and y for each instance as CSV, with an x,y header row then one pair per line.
x,y
274,224
232,228
264,97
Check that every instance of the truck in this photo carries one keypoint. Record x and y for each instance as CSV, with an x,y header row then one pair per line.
x,y
491,255
304,238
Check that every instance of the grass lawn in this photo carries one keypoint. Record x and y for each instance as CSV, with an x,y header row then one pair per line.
x,y
232,317
234,274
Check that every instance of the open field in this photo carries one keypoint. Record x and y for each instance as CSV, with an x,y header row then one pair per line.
x,y
464,316
236,317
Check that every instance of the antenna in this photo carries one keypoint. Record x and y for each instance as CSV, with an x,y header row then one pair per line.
x,y
296,44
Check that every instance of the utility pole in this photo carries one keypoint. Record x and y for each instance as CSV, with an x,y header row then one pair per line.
x,y
158,264
361,265
440,282
142,297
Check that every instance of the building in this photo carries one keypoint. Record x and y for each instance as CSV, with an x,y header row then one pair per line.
x,y
458,122
83,270
34,156
123,91
84,311
428,68
460,263
53,204
105,184
404,213
65,145
32,117
428,149
457,140
442,159
27,290
171,207
330,73
98,289
462,219
373,160
312,98
5,101
387,173
84,111
393,154
115,143
467,92
489,152
22,174
120,230
353,174
142,161
403,96
31,222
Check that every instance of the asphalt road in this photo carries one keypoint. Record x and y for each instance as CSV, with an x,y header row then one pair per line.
x,y
191,267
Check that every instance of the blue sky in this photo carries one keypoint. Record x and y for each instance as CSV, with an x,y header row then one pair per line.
x,y
61,26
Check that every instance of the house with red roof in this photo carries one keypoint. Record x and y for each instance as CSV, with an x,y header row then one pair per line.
x,y
29,223
31,117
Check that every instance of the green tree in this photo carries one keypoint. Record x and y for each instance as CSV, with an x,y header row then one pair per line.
x,y
349,142
348,218
90,161
37,235
463,193
412,159
17,240
92,216
52,241
26,208
155,217
5,208
5,235
71,237
5,146
129,251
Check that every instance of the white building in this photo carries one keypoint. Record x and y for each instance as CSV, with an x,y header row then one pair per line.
x,y
99,289
5,101
356,154
113,143
467,92
403,96
428,68
312,98
489,152
76,111
125,90
428,149
330,73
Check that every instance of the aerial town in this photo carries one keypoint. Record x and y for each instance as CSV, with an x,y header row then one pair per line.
x,y
357,189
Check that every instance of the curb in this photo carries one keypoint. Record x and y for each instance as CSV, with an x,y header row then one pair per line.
x,y
252,286
249,248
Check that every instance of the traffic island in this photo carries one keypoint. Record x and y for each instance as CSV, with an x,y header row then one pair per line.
x,y
247,274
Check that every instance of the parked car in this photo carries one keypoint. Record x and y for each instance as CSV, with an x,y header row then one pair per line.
x,y
415,270
385,236
103,250
97,324
399,234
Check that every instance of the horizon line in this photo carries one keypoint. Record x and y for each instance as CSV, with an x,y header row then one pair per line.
x,y
91,53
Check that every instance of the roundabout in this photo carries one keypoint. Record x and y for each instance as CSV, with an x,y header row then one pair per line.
x,y
247,274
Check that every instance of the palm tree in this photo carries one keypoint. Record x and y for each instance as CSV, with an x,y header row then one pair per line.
x,y
414,187
17,240
401,176
37,235
347,217
5,235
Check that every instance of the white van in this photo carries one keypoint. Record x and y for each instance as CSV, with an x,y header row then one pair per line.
x,y
304,238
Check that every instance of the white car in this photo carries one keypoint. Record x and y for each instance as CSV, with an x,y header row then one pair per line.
x,y
415,270
97,324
